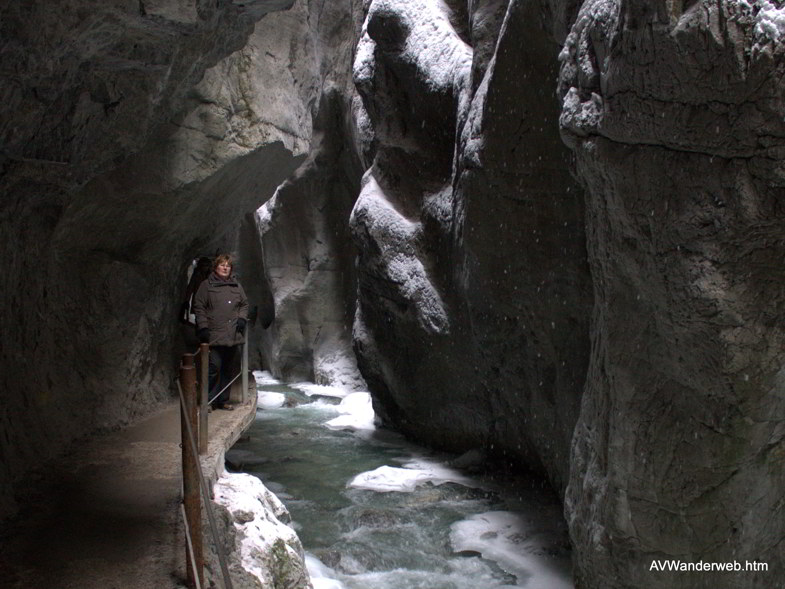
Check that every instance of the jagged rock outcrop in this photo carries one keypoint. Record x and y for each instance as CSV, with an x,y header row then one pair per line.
x,y
474,298
675,113
307,259
411,69
261,549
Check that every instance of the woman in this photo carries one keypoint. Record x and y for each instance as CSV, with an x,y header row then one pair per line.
x,y
221,310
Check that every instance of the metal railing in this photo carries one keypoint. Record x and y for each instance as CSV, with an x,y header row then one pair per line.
x,y
194,409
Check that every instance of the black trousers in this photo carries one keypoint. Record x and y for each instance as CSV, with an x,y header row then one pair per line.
x,y
220,372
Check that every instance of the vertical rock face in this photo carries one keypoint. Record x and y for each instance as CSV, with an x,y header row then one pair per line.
x,y
308,260
134,136
469,195
519,228
493,292
410,68
496,301
675,113
303,252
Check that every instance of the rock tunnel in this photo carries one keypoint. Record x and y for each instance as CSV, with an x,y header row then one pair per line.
x,y
551,229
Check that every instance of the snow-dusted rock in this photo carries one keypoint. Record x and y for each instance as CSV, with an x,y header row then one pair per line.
x,y
517,544
462,331
492,290
675,114
411,69
267,548
356,413
303,252
406,479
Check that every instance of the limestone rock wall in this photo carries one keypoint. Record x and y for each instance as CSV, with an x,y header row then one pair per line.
x,y
308,261
412,70
134,137
303,255
501,302
675,113
552,226
475,298
520,238
261,547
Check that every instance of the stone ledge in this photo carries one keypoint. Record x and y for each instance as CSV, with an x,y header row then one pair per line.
x,y
224,429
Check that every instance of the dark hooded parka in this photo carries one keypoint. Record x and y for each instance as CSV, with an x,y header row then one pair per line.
x,y
218,305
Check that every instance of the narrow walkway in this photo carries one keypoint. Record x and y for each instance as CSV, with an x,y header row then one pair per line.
x,y
108,515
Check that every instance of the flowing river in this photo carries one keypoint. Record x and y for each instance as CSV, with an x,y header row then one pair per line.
x,y
376,512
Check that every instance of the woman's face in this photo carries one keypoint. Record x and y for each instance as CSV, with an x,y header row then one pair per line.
x,y
224,269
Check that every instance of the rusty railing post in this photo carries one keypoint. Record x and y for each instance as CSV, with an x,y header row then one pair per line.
x,y
204,384
191,499
244,366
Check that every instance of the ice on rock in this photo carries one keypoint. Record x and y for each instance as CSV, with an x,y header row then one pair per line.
x,y
356,413
270,400
267,399
269,549
770,21
264,214
264,378
312,389
505,538
389,478
409,477
322,576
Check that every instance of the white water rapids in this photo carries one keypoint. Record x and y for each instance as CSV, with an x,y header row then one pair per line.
x,y
376,512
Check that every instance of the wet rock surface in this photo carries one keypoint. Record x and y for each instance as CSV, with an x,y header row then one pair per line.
x,y
675,118
548,229
265,552
490,342
630,302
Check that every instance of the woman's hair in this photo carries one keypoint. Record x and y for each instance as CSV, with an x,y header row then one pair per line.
x,y
220,259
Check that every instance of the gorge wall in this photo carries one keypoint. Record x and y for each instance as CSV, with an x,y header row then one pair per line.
x,y
135,136
470,229
549,229
674,111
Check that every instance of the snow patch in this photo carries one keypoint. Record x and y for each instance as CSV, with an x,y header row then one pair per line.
x,y
405,480
508,540
356,413
264,214
312,389
770,24
270,400
264,378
